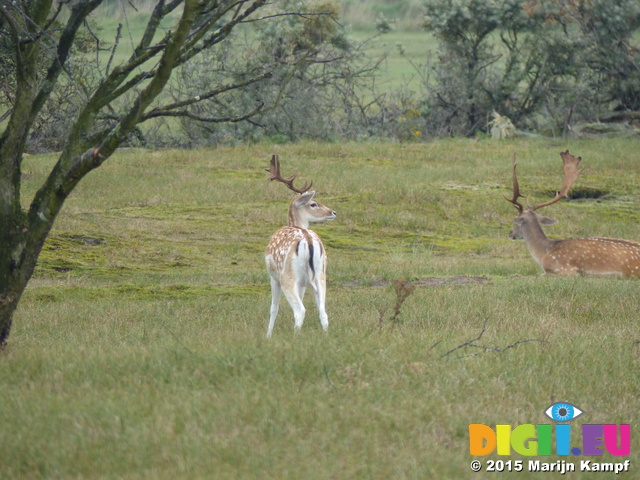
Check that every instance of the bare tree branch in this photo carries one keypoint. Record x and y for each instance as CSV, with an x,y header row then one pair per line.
x,y
79,13
171,109
294,14
205,119
192,49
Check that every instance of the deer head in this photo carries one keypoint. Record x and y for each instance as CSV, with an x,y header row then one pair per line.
x,y
528,219
303,209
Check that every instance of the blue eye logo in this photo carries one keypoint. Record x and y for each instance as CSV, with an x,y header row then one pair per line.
x,y
563,412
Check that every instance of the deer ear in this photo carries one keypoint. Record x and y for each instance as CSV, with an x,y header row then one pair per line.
x,y
304,199
547,220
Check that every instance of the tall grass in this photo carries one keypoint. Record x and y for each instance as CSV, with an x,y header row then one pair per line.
x,y
139,348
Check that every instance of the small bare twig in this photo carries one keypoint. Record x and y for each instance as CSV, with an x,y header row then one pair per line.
x,y
486,348
326,374
114,48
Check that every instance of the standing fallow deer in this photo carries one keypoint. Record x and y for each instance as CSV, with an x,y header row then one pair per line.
x,y
573,256
295,256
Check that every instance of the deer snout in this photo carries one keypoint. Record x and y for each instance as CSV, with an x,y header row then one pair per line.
x,y
331,216
515,234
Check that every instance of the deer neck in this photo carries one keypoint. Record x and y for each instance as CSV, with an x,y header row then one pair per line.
x,y
295,219
537,242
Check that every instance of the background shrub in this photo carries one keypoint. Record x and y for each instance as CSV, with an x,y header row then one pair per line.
x,y
544,64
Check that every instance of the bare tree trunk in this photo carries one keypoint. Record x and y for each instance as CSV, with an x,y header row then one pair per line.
x,y
20,247
10,293
12,286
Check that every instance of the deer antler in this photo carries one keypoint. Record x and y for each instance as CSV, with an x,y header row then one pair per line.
x,y
516,189
275,175
571,174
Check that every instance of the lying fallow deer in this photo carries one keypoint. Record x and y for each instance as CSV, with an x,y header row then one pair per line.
x,y
295,255
584,256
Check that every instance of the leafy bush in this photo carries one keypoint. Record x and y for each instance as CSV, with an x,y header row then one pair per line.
x,y
544,64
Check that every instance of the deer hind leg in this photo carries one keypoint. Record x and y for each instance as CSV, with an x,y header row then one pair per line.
x,y
276,289
319,290
294,295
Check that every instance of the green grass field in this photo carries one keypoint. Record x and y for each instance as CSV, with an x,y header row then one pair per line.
x,y
139,349
405,51
404,47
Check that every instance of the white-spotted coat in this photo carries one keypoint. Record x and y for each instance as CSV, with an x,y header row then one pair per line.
x,y
599,256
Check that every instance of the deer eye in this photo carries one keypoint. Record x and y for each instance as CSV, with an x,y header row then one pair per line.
x,y
313,205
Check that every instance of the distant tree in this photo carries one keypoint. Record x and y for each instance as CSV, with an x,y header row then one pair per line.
x,y
536,61
604,33
473,76
37,42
